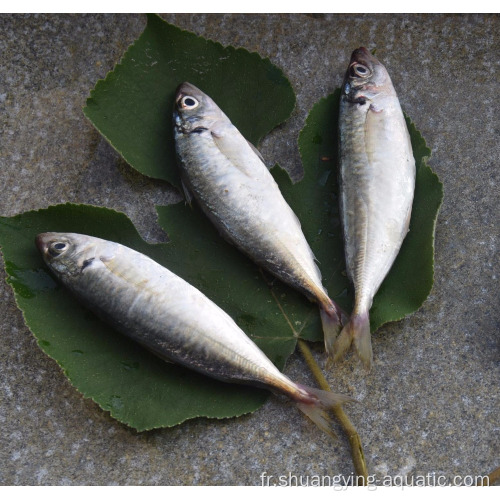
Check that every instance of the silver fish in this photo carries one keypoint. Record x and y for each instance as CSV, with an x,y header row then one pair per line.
x,y
227,176
173,319
377,180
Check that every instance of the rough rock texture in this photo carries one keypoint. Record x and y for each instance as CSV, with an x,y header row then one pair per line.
x,y
430,407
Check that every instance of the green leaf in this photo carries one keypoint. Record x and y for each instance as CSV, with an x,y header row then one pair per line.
x,y
315,200
132,107
136,387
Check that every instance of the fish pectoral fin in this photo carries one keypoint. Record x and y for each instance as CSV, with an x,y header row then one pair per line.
x,y
256,151
374,108
237,149
187,193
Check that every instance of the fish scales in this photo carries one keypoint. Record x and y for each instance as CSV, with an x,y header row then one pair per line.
x,y
173,319
377,180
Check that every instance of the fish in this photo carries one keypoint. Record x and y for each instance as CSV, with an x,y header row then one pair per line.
x,y
377,184
153,306
227,176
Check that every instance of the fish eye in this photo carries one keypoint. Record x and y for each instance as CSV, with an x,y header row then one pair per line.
x,y
57,248
360,71
189,102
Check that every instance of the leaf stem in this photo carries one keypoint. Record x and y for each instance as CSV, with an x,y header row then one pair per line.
x,y
493,477
357,454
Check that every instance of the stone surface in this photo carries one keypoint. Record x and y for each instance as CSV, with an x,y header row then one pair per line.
x,y
430,407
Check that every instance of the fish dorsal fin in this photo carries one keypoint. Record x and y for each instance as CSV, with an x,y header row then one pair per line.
x,y
237,149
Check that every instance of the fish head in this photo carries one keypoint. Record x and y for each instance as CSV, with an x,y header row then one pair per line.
x,y
366,79
65,253
194,110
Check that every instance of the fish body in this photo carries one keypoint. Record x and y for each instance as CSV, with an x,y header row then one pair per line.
x,y
377,181
170,317
234,188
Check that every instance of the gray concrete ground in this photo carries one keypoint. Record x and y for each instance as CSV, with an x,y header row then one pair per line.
x,y
430,407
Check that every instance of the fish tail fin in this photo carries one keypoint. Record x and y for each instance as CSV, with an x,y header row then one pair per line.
x,y
319,417
332,318
363,342
356,332
315,404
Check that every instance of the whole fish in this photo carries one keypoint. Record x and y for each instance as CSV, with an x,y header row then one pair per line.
x,y
377,181
227,176
173,319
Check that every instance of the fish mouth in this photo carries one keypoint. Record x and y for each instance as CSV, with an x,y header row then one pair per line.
x,y
362,56
43,240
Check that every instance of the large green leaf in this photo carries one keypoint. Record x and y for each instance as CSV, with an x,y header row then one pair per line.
x,y
132,107
315,200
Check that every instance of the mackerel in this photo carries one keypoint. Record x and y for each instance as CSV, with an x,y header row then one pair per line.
x,y
153,306
377,182
232,185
